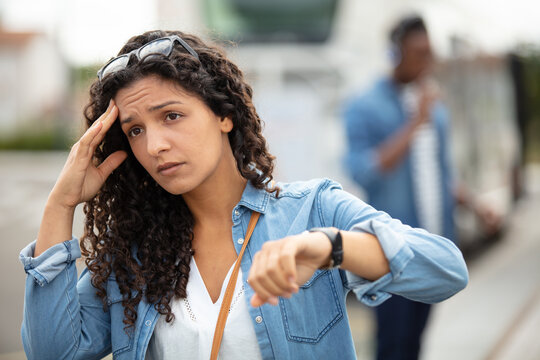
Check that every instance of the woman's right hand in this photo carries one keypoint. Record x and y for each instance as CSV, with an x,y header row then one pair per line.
x,y
80,179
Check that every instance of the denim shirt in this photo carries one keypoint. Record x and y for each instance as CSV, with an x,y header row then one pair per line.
x,y
370,119
64,319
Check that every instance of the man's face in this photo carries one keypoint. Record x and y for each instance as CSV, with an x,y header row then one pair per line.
x,y
416,56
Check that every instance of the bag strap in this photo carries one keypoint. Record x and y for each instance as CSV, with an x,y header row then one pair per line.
x,y
227,298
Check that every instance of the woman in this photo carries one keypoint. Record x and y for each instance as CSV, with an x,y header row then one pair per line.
x,y
172,168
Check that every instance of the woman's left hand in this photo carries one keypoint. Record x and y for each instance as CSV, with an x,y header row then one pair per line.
x,y
281,266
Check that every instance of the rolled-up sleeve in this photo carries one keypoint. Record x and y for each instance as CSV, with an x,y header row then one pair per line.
x,y
423,267
54,300
50,263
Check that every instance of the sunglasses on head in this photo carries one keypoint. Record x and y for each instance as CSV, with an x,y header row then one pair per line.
x,y
163,46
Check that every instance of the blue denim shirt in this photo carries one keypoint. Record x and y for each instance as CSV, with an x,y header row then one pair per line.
x,y
64,319
370,119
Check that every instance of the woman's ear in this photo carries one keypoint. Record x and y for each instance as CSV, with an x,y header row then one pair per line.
x,y
226,124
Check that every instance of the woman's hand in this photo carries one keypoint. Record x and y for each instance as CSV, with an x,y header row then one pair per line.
x,y
80,180
281,266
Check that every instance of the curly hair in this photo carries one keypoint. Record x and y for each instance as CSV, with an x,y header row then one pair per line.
x,y
134,229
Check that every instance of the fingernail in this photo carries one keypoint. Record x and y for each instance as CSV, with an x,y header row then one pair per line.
x,y
273,300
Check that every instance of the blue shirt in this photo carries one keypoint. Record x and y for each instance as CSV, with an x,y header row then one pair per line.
x,y
370,119
64,319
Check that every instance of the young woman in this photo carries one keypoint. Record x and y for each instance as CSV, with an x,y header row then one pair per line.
x,y
173,169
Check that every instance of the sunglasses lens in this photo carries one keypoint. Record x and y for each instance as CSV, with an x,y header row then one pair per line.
x,y
117,64
161,46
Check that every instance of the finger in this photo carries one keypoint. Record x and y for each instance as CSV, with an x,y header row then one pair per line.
x,y
107,111
110,115
99,122
89,135
80,154
106,122
288,264
256,301
256,276
269,272
270,285
111,163
276,272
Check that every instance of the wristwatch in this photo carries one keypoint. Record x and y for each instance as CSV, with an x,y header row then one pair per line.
x,y
336,257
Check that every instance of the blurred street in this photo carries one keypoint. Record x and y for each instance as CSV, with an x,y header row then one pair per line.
x,y
25,182
496,317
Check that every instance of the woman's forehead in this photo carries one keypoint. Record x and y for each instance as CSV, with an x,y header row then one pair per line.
x,y
150,89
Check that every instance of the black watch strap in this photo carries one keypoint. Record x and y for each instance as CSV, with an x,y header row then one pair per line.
x,y
336,257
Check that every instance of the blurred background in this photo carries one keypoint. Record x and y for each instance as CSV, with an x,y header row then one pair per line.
x,y
303,58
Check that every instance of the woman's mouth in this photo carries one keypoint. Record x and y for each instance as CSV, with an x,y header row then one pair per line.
x,y
168,168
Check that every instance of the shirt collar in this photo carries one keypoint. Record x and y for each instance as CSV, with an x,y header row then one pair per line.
x,y
254,199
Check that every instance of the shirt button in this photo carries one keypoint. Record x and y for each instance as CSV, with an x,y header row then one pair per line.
x,y
258,319
147,323
241,241
236,212
373,297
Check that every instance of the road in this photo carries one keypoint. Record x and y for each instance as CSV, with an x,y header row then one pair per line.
x,y
496,317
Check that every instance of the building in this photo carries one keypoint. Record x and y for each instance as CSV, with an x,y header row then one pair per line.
x,y
34,82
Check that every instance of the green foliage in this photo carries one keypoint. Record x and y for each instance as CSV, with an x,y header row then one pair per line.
x,y
529,57
83,76
37,139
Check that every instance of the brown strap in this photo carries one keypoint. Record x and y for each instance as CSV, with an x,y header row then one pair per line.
x,y
227,298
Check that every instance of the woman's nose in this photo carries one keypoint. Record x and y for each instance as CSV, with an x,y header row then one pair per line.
x,y
156,142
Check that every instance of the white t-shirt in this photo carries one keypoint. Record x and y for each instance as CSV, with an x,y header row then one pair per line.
x,y
191,333
425,169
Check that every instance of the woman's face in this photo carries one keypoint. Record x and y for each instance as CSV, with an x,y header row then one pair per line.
x,y
173,134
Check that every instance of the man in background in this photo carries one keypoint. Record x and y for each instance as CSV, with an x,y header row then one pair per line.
x,y
398,153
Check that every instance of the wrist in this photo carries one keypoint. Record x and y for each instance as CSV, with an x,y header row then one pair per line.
x,y
334,243
57,206
324,248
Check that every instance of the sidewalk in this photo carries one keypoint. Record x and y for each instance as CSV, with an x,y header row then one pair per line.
x,y
490,318
497,317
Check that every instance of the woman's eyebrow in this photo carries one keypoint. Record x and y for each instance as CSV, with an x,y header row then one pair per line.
x,y
126,120
151,109
157,107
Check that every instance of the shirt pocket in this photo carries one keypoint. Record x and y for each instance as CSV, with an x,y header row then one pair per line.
x,y
120,340
309,314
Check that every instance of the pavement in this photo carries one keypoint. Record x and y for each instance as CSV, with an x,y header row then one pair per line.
x,y
497,317
492,317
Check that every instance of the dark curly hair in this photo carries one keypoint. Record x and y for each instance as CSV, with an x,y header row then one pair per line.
x,y
134,229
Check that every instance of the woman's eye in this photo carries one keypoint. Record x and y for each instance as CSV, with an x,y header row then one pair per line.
x,y
173,116
134,132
